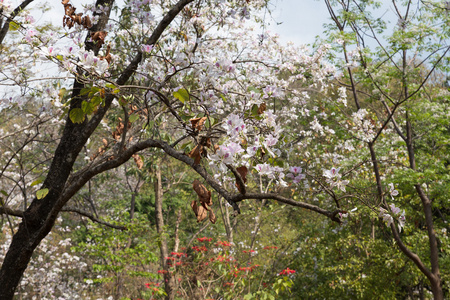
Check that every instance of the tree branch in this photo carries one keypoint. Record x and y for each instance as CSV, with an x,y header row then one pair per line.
x,y
330,214
92,217
5,210
9,18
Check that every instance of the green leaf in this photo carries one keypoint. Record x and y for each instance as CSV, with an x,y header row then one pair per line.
x,y
87,107
13,26
41,193
111,86
84,91
181,95
133,118
77,115
255,110
96,100
248,297
37,181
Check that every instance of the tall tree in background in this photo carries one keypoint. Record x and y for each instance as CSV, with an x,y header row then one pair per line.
x,y
393,72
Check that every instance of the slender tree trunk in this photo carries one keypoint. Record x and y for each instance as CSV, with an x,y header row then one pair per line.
x,y
177,226
169,281
226,220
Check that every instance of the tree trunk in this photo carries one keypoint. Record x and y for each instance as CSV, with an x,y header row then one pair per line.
x,y
169,281
226,220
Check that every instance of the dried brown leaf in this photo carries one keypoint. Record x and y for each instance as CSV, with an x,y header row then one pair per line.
x,y
138,161
203,194
199,211
99,37
87,22
212,217
200,189
243,171
261,108
196,154
77,19
208,142
197,123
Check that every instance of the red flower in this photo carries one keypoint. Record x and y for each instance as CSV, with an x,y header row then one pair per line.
x,y
270,247
204,239
287,271
200,249
223,244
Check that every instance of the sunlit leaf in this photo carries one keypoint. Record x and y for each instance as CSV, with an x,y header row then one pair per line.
x,y
77,115
41,193
181,95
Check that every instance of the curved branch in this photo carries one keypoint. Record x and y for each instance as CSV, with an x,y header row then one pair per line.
x,y
414,257
329,214
92,217
14,13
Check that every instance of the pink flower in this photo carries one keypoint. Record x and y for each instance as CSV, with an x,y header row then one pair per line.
x,y
147,48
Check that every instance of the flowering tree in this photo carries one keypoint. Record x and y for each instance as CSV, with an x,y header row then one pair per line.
x,y
388,87
146,71
199,81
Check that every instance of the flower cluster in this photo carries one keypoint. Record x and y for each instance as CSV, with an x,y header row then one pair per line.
x,y
334,178
153,286
295,174
273,172
223,244
200,249
400,215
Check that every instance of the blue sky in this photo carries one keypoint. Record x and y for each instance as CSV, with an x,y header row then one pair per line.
x,y
302,20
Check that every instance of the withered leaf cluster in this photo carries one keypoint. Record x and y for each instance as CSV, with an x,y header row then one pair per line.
x,y
99,38
119,129
138,161
101,150
204,196
199,150
197,123
70,18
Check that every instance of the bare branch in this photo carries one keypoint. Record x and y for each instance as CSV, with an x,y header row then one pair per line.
x,y
330,214
5,210
92,217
